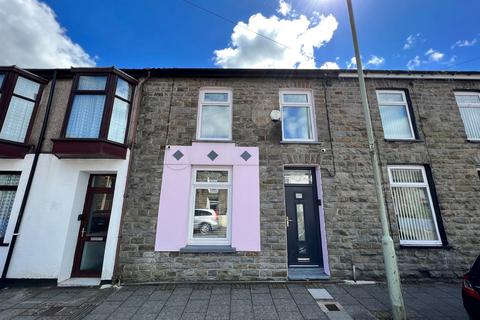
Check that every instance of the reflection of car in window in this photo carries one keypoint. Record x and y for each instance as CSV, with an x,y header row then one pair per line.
x,y
205,221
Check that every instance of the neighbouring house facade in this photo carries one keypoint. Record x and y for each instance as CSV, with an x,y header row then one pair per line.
x,y
148,175
64,156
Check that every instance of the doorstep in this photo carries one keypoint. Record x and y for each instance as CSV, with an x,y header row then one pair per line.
x,y
307,273
80,282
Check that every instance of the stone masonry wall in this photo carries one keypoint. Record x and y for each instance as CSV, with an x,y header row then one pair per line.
x,y
168,113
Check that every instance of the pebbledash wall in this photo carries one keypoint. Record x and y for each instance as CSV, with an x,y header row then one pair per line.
x,y
168,117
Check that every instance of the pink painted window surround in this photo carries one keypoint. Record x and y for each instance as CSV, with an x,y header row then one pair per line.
x,y
174,209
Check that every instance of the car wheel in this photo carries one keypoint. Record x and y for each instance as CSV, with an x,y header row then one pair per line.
x,y
205,228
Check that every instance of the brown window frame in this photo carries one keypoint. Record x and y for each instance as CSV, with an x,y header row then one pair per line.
x,y
8,188
7,92
110,95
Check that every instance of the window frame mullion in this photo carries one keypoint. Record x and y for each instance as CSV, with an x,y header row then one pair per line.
x,y
108,108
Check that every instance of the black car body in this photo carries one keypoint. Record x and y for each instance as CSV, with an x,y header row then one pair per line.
x,y
471,290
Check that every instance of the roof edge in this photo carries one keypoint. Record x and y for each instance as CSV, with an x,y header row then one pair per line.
x,y
268,73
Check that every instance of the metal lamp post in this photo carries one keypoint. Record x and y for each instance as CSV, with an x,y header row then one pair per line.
x,y
389,255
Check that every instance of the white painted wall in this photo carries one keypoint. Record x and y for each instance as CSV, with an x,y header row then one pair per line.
x,y
49,230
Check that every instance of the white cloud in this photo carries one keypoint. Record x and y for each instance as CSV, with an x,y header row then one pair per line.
x,y
411,41
375,61
451,61
434,55
352,63
464,43
414,63
330,65
295,39
284,8
33,38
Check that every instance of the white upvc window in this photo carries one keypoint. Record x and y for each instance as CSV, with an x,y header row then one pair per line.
x,y
298,117
395,115
413,206
214,121
469,105
210,208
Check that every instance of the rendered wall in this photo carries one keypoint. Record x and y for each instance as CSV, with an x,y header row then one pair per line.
x,y
175,197
49,230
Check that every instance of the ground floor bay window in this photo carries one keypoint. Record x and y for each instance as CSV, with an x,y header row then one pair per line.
x,y
414,207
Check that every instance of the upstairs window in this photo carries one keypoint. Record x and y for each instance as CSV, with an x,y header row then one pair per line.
x,y
18,99
8,189
469,105
100,108
395,115
215,115
414,209
297,116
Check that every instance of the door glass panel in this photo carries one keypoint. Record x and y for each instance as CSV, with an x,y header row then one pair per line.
x,y
92,256
211,209
298,176
100,214
102,201
300,222
102,181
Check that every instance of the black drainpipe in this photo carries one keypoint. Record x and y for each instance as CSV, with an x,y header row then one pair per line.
x,y
30,179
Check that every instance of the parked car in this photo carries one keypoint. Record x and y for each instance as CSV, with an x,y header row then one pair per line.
x,y
205,221
471,290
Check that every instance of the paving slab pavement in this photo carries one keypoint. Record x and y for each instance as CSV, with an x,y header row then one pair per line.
x,y
242,301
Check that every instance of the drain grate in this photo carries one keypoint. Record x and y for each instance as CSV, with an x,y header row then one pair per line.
x,y
331,307
51,311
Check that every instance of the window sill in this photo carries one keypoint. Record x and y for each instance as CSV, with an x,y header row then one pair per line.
x,y
13,150
300,142
88,149
404,140
212,141
207,249
473,141
427,246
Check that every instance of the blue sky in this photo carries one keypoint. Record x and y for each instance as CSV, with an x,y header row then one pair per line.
x,y
172,33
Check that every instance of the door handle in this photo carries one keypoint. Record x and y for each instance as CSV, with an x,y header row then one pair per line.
x,y
287,221
83,232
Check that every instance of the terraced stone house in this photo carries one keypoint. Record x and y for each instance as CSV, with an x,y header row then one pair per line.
x,y
240,175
